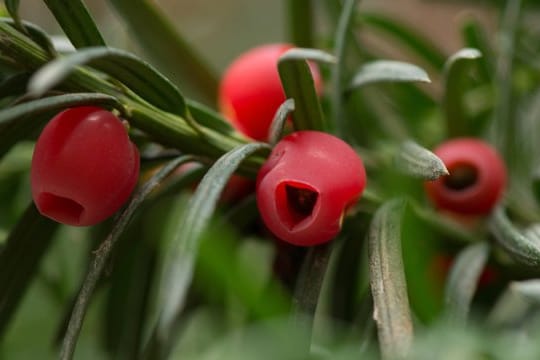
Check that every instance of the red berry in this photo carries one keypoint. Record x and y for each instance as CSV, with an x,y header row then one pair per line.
x,y
477,177
250,91
84,166
306,185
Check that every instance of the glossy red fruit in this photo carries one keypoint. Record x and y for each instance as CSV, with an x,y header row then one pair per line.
x,y
306,185
477,177
84,166
250,91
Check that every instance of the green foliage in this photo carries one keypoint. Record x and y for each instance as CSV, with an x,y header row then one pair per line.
x,y
76,21
298,85
189,274
137,75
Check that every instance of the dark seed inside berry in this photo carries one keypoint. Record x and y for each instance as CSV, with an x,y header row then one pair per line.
x,y
300,204
461,177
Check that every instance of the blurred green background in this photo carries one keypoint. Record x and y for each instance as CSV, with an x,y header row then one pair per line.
x,y
220,30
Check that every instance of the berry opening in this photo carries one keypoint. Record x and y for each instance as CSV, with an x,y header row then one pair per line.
x,y
296,203
461,177
60,208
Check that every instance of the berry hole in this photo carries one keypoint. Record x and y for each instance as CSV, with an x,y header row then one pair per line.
x,y
60,208
461,177
301,201
299,204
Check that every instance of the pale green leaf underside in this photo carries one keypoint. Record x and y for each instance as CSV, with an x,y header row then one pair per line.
x,y
463,279
388,285
58,102
278,123
516,303
380,71
414,160
521,248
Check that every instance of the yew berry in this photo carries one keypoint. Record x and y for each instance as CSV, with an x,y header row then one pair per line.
x,y
250,91
477,177
84,166
306,185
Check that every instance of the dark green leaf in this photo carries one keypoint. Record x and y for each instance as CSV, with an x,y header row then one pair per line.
x,y
301,22
22,121
414,160
456,70
26,128
298,84
503,124
103,253
308,289
208,117
138,75
278,123
475,37
20,258
14,85
388,71
407,37
347,283
76,21
18,48
130,287
463,279
12,7
388,285
340,43
37,34
519,247
178,266
421,248
172,52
